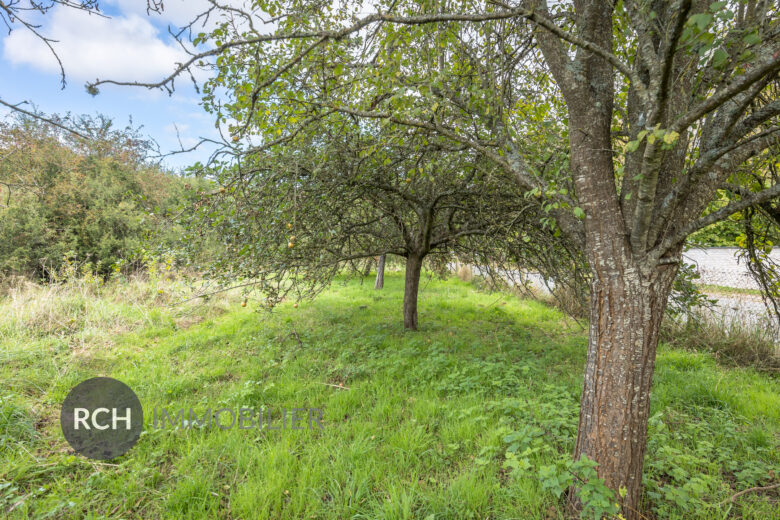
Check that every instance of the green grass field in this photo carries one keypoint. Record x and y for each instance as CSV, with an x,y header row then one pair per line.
x,y
416,425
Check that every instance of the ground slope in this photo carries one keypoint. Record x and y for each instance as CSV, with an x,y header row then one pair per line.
x,y
416,425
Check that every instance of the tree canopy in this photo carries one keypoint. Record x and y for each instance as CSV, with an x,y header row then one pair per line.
x,y
635,123
294,216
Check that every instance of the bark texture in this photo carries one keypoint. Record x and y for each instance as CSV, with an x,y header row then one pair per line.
x,y
411,287
380,273
628,289
626,309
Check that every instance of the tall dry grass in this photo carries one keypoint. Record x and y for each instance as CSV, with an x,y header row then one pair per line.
x,y
85,310
731,340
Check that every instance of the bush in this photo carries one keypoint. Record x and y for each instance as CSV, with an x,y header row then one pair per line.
x,y
66,198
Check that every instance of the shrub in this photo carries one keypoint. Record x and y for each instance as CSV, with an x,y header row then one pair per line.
x,y
65,198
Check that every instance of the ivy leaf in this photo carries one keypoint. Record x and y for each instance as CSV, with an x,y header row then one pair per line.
x,y
579,213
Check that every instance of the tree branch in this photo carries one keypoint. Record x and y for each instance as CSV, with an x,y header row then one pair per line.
x,y
739,84
336,35
716,216
322,36
39,117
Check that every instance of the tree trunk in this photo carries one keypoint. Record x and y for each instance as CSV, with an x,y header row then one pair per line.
x,y
411,286
380,273
627,305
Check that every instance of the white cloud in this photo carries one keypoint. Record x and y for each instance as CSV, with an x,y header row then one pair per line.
x,y
126,47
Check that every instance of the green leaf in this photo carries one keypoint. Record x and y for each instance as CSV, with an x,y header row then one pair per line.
x,y
671,137
752,38
579,213
719,58
701,20
717,6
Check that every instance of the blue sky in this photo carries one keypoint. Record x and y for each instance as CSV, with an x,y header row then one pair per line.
x,y
131,45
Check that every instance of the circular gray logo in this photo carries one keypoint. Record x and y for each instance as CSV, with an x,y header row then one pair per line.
x,y
101,418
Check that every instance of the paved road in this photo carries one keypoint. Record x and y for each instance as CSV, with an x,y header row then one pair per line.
x,y
717,266
722,266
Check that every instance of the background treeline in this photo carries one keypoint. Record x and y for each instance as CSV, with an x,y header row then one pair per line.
x,y
97,202
100,202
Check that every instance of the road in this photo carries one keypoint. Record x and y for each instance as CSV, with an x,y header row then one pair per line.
x,y
722,266
719,266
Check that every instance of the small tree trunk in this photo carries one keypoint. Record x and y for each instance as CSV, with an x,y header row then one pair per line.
x,y
626,310
367,268
411,286
380,273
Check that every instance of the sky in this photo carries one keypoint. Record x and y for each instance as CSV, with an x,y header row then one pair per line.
x,y
129,45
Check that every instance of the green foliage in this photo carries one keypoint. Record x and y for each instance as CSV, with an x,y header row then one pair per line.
x,y
546,434
401,439
725,233
689,459
71,200
686,300
16,423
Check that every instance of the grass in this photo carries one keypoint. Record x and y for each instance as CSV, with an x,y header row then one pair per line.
x,y
723,290
415,424
730,340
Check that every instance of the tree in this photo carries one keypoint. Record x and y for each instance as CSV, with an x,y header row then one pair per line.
x,y
341,193
379,283
691,105
665,107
